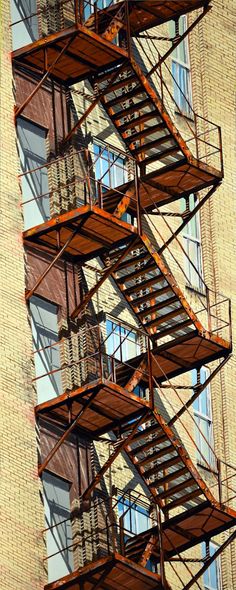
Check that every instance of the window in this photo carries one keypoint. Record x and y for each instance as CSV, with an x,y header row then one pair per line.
x,y
45,334
121,342
32,153
212,576
56,495
192,245
25,31
181,70
203,418
136,518
109,167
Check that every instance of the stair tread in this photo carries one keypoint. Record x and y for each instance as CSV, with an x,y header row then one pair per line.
x,y
146,432
148,131
171,329
151,295
165,318
143,285
138,121
126,96
177,488
153,308
169,463
173,475
148,445
130,110
182,500
161,155
121,84
156,455
142,270
133,261
152,144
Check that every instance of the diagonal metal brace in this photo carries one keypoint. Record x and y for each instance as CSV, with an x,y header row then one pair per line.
x,y
66,434
105,275
112,458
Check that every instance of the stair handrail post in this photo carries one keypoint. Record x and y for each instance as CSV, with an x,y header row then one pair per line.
x,y
76,11
150,378
208,309
127,28
195,135
81,11
137,193
219,481
100,352
122,535
96,16
162,559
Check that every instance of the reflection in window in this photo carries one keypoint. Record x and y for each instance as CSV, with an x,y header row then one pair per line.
x,y
110,168
212,576
193,247
203,419
181,69
136,518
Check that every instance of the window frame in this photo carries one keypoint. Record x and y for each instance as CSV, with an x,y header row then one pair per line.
x,y
100,159
216,564
179,95
206,418
194,237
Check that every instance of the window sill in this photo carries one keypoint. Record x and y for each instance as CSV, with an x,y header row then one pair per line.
x,y
185,116
196,290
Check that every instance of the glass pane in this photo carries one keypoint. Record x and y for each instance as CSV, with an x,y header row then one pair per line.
x,y
32,152
45,334
26,31
56,493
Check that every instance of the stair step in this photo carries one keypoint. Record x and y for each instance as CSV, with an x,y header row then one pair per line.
x,y
173,475
153,308
155,469
126,96
182,500
175,489
161,155
139,121
121,84
150,295
130,110
152,144
155,456
165,318
133,261
143,285
169,463
146,132
172,329
146,432
148,445
142,270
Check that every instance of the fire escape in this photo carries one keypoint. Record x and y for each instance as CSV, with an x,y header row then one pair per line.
x,y
98,45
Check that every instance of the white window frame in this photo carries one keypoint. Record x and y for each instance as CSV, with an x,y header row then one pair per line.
x,y
206,418
216,564
121,353
181,98
194,238
100,161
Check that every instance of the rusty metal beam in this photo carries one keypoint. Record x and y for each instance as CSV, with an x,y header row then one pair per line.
x,y
188,217
19,110
105,275
150,546
209,561
112,458
198,391
65,434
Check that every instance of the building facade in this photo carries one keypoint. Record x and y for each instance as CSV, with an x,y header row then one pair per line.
x,y
117,295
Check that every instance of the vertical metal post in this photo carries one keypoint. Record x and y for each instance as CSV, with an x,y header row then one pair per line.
x,y
208,309
96,16
162,561
150,380
137,193
196,137
76,6
219,481
81,11
100,363
221,151
128,39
